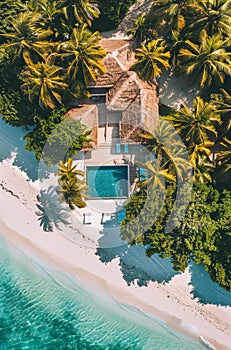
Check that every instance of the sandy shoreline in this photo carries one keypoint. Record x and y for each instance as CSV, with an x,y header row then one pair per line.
x,y
171,302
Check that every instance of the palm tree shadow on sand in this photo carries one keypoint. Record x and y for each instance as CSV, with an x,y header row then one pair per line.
x,y
51,213
135,266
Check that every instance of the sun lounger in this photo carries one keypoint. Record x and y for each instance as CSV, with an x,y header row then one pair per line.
x,y
87,218
106,217
118,148
121,215
126,148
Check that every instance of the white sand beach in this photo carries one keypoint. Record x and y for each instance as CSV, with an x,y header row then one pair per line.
x,y
171,301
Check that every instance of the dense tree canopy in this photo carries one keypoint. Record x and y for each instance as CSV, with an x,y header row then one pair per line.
x,y
201,234
62,137
112,12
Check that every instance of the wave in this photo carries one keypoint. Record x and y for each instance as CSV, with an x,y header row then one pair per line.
x,y
206,343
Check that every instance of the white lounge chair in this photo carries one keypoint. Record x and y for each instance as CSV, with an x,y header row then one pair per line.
x,y
106,217
87,218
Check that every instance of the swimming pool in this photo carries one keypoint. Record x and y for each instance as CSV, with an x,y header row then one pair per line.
x,y
107,181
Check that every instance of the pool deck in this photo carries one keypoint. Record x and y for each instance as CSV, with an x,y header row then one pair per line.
x,y
104,154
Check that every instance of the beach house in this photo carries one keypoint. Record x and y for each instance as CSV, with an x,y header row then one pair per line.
x,y
121,104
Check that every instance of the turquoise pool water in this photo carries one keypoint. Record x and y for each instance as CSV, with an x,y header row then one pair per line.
x,y
108,181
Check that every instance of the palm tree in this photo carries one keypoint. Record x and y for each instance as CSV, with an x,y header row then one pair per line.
x,y
29,40
83,55
152,59
67,171
224,157
139,31
175,43
203,167
73,189
208,62
172,13
82,11
196,126
50,14
168,149
224,107
157,175
214,16
44,81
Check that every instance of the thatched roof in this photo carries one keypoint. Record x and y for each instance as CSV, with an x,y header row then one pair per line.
x,y
126,91
88,114
113,73
111,45
119,59
139,102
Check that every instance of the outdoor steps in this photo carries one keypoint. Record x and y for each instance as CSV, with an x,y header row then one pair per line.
x,y
115,134
114,119
104,145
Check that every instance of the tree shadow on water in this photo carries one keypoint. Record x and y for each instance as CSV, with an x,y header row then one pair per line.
x,y
51,213
135,266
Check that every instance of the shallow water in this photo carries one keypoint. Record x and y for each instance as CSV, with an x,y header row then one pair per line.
x,y
11,140
44,309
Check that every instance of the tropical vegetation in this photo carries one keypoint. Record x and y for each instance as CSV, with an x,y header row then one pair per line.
x,y
50,52
72,184
190,221
48,56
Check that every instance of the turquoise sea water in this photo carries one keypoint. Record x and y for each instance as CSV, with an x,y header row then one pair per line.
x,y
41,308
44,309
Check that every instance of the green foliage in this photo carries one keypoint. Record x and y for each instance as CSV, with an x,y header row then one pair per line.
x,y
7,105
201,234
9,9
31,66
82,55
220,268
61,137
112,13
45,82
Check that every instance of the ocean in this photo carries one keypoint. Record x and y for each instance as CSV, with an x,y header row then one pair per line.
x,y
42,308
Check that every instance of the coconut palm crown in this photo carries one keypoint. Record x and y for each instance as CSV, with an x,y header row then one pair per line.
x,y
208,62
152,60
